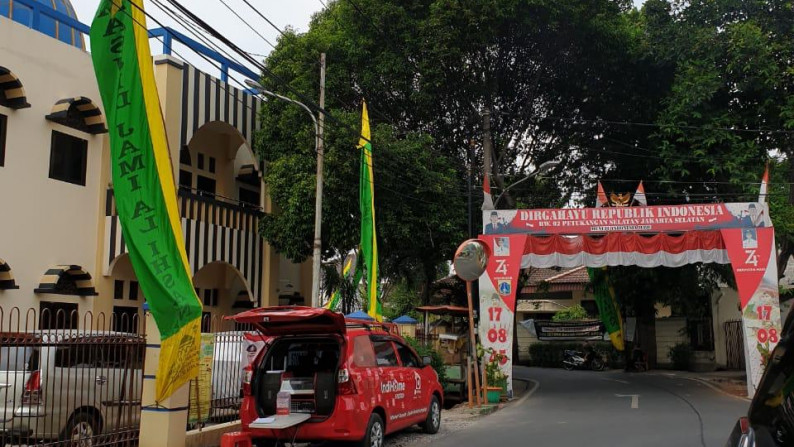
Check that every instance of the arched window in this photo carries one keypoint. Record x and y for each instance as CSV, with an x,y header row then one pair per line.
x,y
67,280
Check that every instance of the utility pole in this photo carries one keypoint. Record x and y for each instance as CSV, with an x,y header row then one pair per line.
x,y
471,173
487,143
318,205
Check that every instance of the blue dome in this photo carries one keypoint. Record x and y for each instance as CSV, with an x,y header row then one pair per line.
x,y
22,13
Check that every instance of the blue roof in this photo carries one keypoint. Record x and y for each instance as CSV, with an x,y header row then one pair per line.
x,y
39,14
405,319
359,315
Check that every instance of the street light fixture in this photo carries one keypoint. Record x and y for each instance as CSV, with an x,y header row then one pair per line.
x,y
542,169
316,258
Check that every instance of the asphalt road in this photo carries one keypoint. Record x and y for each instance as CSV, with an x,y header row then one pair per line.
x,y
612,408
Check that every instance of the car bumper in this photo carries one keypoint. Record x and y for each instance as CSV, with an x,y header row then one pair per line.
x,y
346,423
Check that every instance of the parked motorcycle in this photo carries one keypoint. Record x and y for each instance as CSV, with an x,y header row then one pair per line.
x,y
578,360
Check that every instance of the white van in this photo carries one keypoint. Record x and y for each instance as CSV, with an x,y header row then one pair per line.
x,y
70,385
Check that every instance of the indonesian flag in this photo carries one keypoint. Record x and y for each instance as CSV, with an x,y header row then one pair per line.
x,y
601,198
764,183
639,196
487,200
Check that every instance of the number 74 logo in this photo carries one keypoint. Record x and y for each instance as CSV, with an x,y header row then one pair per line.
x,y
752,257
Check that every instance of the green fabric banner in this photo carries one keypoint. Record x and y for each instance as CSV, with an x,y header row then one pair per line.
x,y
143,184
607,305
369,242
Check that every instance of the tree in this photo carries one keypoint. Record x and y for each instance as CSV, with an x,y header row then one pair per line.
x,y
575,312
429,69
729,106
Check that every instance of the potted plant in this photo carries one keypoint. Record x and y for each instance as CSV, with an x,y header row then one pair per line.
x,y
496,379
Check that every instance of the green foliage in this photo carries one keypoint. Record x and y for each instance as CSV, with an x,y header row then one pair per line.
x,y
681,356
401,300
575,312
550,354
437,362
493,373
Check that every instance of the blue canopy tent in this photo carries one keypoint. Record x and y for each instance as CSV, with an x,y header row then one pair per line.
x,y
359,315
405,319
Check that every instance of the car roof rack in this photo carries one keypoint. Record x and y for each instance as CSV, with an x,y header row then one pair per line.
x,y
372,325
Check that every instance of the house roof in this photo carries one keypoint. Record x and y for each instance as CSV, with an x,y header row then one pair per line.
x,y
557,279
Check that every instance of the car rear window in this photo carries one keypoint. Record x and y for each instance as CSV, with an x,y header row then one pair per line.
x,y
19,358
363,354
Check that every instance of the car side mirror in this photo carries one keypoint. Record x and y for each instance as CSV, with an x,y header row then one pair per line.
x,y
427,360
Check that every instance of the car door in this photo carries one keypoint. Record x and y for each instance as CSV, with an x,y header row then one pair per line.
x,y
417,398
391,389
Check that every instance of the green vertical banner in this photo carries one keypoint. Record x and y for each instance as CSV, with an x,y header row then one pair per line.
x,y
607,305
369,239
351,271
143,184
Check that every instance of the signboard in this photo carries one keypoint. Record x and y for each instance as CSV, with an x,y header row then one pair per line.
x,y
201,388
498,299
739,233
569,330
752,253
650,219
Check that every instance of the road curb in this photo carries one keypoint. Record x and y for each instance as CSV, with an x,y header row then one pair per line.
x,y
717,389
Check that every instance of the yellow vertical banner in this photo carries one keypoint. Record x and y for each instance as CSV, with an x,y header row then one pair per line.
x,y
201,388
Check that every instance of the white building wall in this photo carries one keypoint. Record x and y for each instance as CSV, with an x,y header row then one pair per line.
x,y
45,222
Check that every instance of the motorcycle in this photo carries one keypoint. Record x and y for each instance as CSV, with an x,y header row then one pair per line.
x,y
578,360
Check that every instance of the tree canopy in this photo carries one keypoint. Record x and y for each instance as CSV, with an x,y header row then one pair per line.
x,y
692,96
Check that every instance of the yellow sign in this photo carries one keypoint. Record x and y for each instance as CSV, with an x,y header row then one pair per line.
x,y
201,388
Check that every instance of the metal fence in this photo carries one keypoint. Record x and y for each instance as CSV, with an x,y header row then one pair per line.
x,y
217,394
68,379
734,345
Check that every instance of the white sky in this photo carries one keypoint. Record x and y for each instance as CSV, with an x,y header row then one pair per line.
x,y
283,13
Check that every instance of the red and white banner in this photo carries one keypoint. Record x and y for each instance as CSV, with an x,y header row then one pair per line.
x,y
624,249
737,233
642,219
498,299
752,253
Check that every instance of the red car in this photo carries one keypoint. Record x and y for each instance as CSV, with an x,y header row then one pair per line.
x,y
356,381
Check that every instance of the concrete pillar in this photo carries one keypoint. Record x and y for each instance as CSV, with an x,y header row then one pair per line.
x,y
164,424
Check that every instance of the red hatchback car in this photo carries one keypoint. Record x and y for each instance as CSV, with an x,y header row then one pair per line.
x,y
355,380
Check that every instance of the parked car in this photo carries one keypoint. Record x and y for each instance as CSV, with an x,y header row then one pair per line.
x,y
233,351
357,380
770,420
69,385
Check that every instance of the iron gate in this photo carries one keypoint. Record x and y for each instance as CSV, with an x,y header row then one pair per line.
x,y
734,345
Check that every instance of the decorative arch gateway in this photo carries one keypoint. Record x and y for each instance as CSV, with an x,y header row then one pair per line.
x,y
740,234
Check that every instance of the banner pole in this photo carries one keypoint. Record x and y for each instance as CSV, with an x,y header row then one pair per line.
x,y
473,345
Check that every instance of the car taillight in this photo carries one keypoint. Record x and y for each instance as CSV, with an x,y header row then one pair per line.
x,y
248,374
32,393
744,424
346,385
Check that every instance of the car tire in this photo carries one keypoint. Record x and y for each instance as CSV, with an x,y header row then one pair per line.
x,y
81,430
263,442
375,434
432,424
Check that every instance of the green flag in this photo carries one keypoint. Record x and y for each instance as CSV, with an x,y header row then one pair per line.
x,y
607,305
143,184
369,242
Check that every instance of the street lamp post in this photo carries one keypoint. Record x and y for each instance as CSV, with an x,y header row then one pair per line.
x,y
316,258
542,169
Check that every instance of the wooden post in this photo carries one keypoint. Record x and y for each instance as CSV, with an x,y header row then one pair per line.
x,y
473,344
468,381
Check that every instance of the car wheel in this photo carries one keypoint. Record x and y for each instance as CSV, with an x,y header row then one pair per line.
x,y
375,432
81,430
433,421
